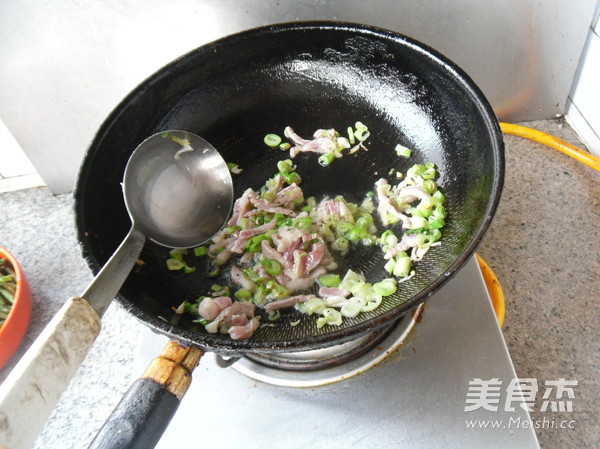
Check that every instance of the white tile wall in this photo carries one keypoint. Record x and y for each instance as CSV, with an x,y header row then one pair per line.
x,y
583,109
16,170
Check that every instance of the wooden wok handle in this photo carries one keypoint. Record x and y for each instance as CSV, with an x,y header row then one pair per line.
x,y
140,418
32,389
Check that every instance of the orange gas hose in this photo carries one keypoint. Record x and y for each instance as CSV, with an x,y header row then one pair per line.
x,y
552,141
494,289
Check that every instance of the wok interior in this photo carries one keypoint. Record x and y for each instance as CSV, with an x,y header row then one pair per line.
x,y
235,91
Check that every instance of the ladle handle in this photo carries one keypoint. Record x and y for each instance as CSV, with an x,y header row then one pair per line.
x,y
112,276
32,389
140,418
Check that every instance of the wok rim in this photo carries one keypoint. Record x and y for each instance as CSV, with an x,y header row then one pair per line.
x,y
238,347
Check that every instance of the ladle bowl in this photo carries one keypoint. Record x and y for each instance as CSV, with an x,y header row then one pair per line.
x,y
178,192
178,189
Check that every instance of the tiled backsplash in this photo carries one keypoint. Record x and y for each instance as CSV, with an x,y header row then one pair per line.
x,y
583,109
16,170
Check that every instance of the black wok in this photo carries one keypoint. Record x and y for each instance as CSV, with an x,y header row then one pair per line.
x,y
307,75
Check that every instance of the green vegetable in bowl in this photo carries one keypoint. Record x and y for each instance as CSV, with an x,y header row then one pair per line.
x,y
8,287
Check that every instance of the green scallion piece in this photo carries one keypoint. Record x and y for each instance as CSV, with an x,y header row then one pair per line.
x,y
200,251
351,138
292,178
286,166
403,151
274,316
175,264
436,223
341,244
202,321
272,140
430,186
243,295
386,287
215,271
234,168
326,159
178,253
330,280
272,266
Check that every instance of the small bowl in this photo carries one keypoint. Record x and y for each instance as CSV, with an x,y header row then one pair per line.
x,y
15,326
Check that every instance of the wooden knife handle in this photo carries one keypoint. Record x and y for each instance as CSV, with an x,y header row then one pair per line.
x,y
141,417
33,387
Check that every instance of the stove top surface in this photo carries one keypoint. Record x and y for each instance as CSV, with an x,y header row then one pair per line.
x,y
413,396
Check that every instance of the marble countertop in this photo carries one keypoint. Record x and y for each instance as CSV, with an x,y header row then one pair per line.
x,y
543,245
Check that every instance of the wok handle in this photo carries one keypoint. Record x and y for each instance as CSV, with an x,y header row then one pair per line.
x,y
140,418
32,389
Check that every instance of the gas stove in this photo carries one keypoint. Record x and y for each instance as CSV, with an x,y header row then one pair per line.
x,y
408,390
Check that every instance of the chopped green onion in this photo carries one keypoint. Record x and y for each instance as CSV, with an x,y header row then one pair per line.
x,y
175,264
180,141
178,253
341,244
215,271
373,301
276,291
362,132
254,244
438,198
351,138
330,316
187,269
330,280
313,305
202,321
260,296
292,178
389,265
418,224
285,146
272,266
200,251
439,211
386,287
303,223
403,151
234,168
252,275
352,309
272,140
350,279
436,222
274,316
402,267
326,159
193,308
286,166
430,186
243,295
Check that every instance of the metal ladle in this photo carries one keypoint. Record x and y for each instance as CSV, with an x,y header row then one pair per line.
x,y
178,192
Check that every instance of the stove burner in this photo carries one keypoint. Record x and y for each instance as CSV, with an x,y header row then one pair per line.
x,y
326,357
329,365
